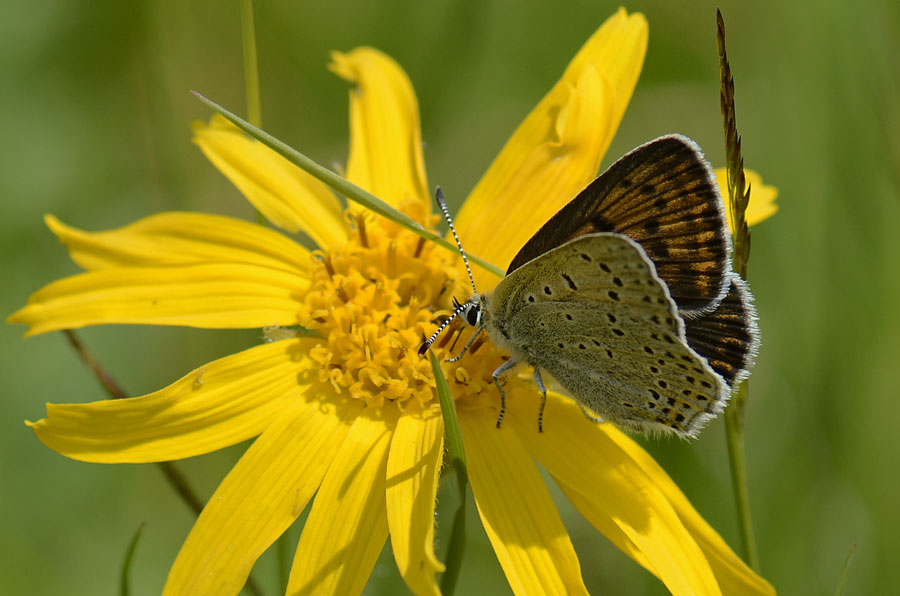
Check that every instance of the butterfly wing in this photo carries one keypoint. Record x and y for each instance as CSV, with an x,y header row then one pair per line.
x,y
663,195
728,337
594,314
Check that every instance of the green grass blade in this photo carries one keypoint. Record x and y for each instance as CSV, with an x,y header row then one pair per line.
x,y
124,582
845,572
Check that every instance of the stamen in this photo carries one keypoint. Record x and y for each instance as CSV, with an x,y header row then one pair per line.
x,y
342,294
373,303
467,346
424,347
446,339
478,343
456,335
326,260
361,226
419,246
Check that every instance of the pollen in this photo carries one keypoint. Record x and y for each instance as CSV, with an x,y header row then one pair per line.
x,y
373,301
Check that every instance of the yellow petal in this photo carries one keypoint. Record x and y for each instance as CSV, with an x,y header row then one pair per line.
x,y
557,149
347,525
175,239
732,573
606,484
605,525
231,296
517,510
385,141
762,204
260,498
412,479
286,195
222,403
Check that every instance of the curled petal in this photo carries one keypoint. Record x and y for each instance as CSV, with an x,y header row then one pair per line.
x,y
385,141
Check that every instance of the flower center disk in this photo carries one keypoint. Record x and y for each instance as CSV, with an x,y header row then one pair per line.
x,y
373,301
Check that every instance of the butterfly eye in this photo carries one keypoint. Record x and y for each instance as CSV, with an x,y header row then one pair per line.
x,y
473,315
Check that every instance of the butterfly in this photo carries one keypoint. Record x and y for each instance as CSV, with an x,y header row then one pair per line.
x,y
627,297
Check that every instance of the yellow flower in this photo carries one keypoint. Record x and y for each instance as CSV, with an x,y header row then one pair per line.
x,y
348,412
762,197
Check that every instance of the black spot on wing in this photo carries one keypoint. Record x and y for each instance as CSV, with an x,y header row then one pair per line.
x,y
569,281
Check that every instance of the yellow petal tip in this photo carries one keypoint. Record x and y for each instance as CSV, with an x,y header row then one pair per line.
x,y
348,65
51,221
340,65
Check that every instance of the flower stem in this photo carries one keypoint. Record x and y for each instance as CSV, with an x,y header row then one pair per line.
x,y
178,482
342,185
254,116
171,472
738,198
251,74
251,66
734,432
109,384
456,460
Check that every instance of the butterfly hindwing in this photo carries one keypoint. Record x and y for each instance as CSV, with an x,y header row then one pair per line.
x,y
727,337
594,314
663,195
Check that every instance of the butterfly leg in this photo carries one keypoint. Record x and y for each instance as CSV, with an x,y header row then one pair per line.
x,y
466,347
500,370
590,415
540,383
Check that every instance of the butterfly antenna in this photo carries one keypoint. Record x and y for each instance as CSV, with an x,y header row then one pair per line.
x,y
439,198
427,344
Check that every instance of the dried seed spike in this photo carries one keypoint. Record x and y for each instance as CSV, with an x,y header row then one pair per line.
x,y
738,193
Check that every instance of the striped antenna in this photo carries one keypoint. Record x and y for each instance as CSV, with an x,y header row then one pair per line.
x,y
458,308
424,347
439,198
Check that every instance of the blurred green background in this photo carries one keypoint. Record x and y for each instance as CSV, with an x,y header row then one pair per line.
x,y
95,115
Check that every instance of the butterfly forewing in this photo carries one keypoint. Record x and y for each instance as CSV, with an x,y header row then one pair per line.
x,y
727,337
593,314
663,196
